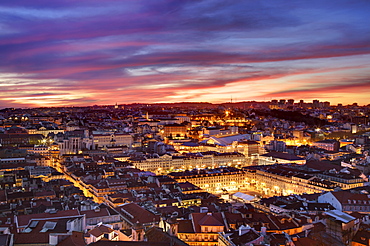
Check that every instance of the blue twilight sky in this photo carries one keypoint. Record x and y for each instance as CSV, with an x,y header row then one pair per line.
x,y
88,52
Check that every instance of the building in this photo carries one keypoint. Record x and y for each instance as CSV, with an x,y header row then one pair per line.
x,y
134,214
174,131
328,144
201,229
49,229
165,163
283,180
102,214
113,139
346,201
215,180
101,232
244,236
341,226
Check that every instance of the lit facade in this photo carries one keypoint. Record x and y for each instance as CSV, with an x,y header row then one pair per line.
x,y
216,182
169,163
115,139
275,182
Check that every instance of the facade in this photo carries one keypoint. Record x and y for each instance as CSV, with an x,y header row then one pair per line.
x,y
104,215
70,145
343,180
341,226
101,232
190,161
215,181
346,201
114,139
174,131
201,229
328,144
276,180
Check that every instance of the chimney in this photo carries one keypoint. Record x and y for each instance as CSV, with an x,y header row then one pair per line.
x,y
263,230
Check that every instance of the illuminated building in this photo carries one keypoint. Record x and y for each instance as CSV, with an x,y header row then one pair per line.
x,y
190,161
70,145
174,130
20,139
39,171
328,144
115,139
201,229
343,179
215,180
278,180
44,131
104,187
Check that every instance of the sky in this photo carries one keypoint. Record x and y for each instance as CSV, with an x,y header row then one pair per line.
x,y
94,52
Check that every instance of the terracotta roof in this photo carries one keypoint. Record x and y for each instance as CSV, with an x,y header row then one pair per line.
x,y
155,234
76,239
283,222
244,238
23,220
101,212
134,213
345,196
233,218
307,242
36,235
185,226
187,186
40,202
209,220
100,230
206,219
44,193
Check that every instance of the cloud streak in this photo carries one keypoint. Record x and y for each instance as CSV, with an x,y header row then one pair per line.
x,y
84,52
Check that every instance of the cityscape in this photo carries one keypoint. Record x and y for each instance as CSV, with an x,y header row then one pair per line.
x,y
279,172
175,123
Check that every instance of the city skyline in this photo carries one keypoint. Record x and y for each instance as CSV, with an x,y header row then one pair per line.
x,y
89,52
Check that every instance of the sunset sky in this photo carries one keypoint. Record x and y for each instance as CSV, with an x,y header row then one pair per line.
x,y
94,52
